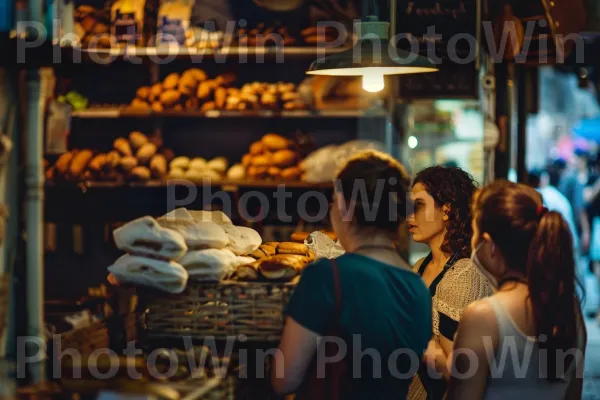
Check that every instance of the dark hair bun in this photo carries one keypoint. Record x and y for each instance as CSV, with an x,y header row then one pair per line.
x,y
375,187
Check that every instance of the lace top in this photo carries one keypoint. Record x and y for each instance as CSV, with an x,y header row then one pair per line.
x,y
461,285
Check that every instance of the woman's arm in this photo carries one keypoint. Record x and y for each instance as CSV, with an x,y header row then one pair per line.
x,y
437,355
296,350
469,365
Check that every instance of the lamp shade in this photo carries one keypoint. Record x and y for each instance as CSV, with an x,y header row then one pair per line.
x,y
368,56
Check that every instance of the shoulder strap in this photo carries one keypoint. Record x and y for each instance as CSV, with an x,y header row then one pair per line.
x,y
438,279
337,291
424,264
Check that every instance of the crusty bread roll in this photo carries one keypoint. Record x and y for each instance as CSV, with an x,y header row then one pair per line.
x,y
112,160
137,139
257,148
274,172
209,264
247,272
291,174
144,236
284,158
171,81
200,175
263,160
246,160
197,235
198,163
140,173
176,173
180,162
218,164
97,163
242,240
158,165
169,98
123,147
282,267
155,92
143,93
310,256
63,162
146,152
272,244
263,251
128,163
168,276
273,142
299,237
236,172
79,162
292,248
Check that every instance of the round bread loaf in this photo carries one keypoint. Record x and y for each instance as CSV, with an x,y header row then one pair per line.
x,y
273,142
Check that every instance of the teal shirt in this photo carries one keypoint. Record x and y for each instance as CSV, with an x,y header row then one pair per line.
x,y
384,307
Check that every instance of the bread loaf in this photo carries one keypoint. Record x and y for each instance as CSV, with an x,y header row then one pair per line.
x,y
97,163
137,139
143,93
291,174
218,164
284,158
257,148
171,81
236,172
158,165
273,142
282,267
64,161
122,146
246,160
169,98
140,173
263,160
264,250
198,163
247,272
180,162
209,264
127,164
145,153
292,248
144,236
155,92
217,217
299,237
79,162
112,160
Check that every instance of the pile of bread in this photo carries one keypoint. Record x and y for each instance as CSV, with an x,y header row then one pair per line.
x,y
273,157
198,169
278,261
194,91
134,158
92,26
164,253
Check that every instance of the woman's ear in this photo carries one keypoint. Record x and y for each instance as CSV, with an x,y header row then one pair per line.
x,y
446,211
486,236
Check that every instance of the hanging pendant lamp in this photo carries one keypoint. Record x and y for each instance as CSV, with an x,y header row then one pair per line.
x,y
372,57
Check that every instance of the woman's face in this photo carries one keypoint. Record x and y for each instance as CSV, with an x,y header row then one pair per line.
x,y
427,221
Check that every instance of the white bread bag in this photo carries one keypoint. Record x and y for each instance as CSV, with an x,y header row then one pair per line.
x,y
210,265
197,235
242,240
167,276
145,237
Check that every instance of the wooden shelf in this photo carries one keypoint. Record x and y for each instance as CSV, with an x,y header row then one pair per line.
x,y
126,112
224,184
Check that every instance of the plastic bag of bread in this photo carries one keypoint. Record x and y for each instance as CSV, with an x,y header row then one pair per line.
x,y
323,246
198,235
242,240
209,264
323,165
218,217
167,276
144,236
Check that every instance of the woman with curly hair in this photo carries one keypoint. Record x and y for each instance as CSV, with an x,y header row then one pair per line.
x,y
442,220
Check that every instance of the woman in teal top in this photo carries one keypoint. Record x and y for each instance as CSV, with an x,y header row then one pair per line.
x,y
369,297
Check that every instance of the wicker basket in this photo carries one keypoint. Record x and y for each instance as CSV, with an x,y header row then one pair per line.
x,y
84,340
218,310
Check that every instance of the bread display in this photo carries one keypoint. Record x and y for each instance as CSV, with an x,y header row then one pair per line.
x,y
144,236
198,169
137,158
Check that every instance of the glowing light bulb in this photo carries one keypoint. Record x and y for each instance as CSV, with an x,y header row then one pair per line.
x,y
373,82
413,142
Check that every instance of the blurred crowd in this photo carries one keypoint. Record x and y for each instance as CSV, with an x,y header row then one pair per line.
x,y
572,188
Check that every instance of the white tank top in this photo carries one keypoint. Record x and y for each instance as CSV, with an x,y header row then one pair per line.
x,y
516,371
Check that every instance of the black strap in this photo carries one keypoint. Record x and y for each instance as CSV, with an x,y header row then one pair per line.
x,y
438,279
337,291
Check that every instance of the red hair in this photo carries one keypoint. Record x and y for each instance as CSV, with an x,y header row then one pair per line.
x,y
540,246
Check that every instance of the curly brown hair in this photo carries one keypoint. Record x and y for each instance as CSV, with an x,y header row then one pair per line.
x,y
454,187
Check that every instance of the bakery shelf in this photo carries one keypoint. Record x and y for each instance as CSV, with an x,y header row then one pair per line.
x,y
126,112
224,184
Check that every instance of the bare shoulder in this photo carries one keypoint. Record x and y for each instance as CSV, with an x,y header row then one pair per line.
x,y
479,315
